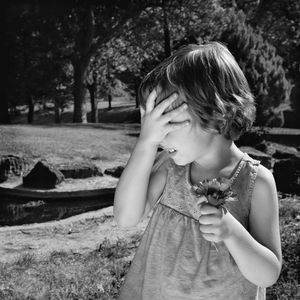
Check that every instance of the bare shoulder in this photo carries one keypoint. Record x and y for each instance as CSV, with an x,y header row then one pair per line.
x,y
264,185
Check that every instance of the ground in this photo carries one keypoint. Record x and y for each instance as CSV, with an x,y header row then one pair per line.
x,y
77,234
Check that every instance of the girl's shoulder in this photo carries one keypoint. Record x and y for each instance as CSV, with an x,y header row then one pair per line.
x,y
250,160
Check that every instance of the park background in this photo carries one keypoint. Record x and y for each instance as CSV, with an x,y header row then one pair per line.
x,y
71,70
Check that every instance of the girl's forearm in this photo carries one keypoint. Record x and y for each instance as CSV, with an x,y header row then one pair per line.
x,y
131,191
256,262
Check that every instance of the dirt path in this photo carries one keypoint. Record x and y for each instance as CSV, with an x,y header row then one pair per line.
x,y
78,234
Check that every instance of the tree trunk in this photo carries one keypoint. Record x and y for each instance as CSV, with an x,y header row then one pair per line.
x,y
92,88
136,88
109,97
57,111
166,31
94,104
79,92
30,116
81,60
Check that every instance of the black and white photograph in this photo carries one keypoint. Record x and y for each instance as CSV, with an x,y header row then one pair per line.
x,y
150,150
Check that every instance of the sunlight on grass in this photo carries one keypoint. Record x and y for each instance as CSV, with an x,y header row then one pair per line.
x,y
95,275
67,143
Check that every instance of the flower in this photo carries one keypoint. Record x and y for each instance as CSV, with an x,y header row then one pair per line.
x,y
216,191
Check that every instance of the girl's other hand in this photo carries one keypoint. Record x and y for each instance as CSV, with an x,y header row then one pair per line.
x,y
214,225
154,125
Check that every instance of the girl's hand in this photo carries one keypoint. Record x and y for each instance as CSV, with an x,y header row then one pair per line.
x,y
154,125
214,225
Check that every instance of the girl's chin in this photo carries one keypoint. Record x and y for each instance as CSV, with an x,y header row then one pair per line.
x,y
178,161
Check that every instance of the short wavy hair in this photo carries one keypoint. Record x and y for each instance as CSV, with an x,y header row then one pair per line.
x,y
214,86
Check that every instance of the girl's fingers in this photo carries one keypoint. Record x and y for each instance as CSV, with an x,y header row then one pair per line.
x,y
201,201
176,126
160,108
210,229
172,114
209,219
150,103
142,111
208,209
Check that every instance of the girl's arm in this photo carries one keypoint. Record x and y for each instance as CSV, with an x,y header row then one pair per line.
x,y
132,190
258,252
130,195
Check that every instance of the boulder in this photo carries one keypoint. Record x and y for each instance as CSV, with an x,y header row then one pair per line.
x,y
265,159
43,175
115,172
278,151
287,175
81,169
13,165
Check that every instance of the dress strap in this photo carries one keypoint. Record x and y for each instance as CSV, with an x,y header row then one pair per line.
x,y
238,168
253,164
232,177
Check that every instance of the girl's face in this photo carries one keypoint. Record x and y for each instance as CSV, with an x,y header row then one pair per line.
x,y
191,142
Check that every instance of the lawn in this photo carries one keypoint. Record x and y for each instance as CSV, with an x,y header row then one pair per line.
x,y
105,144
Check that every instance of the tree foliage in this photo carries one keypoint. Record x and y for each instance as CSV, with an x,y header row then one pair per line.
x,y
262,66
61,49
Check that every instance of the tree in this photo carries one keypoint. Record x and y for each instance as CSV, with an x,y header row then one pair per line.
x,y
36,54
92,88
92,35
4,115
263,69
278,22
148,39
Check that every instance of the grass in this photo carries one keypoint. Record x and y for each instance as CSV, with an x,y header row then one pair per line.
x,y
288,285
96,275
69,142
100,273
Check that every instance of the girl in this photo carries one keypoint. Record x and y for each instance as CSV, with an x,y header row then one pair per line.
x,y
194,105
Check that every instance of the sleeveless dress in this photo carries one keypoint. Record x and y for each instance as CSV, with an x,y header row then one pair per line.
x,y
173,261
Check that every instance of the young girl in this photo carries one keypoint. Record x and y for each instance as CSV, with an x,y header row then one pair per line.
x,y
194,105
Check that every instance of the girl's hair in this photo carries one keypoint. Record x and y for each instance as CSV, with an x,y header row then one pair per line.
x,y
211,81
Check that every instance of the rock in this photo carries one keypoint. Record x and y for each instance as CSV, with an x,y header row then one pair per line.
x,y
13,165
287,175
278,151
265,159
43,175
79,169
115,172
